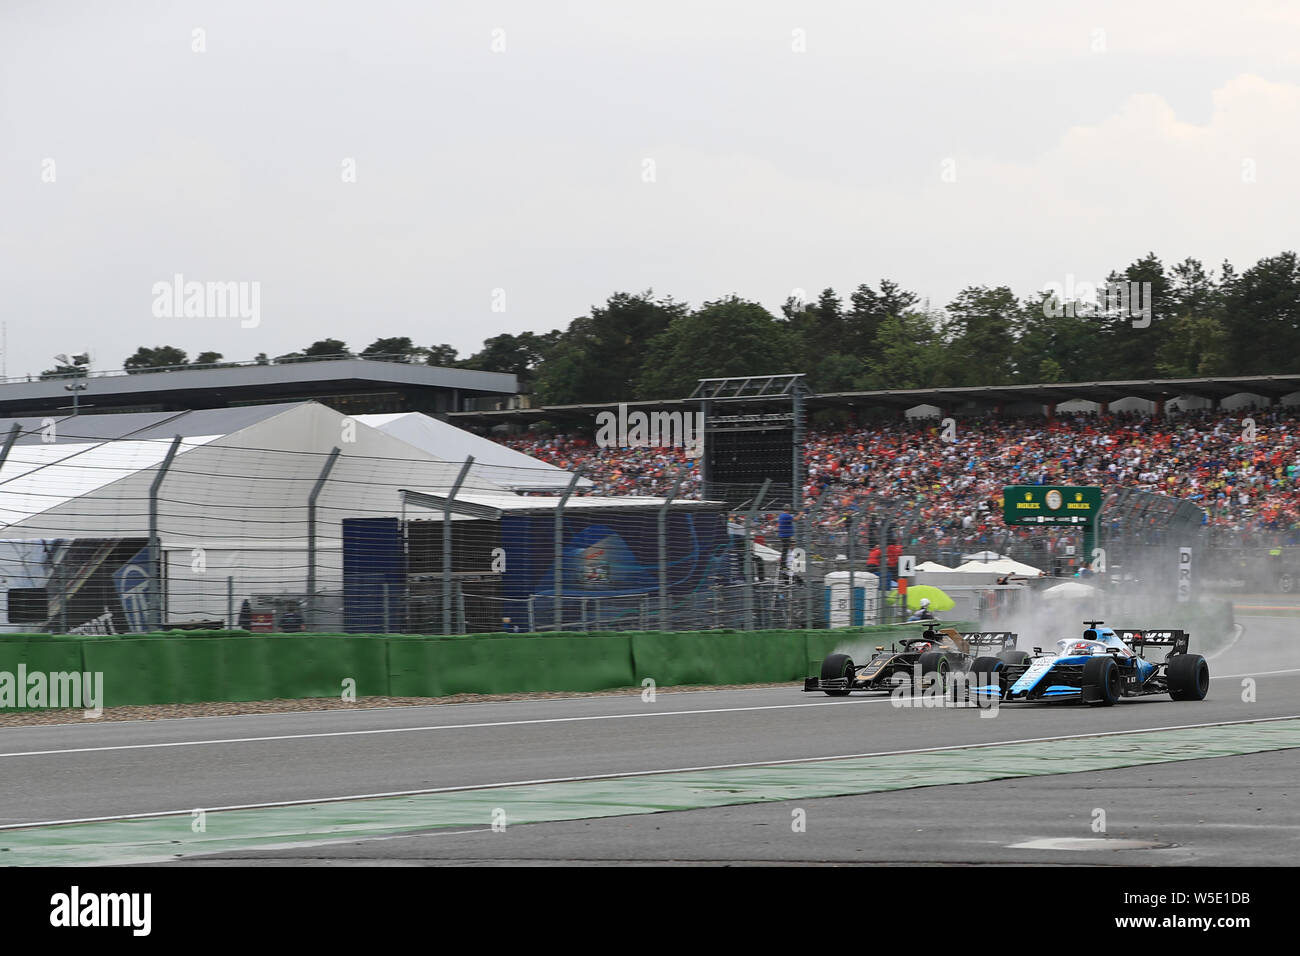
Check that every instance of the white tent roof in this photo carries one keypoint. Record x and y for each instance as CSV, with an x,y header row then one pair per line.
x,y
982,556
37,478
249,466
1001,566
1070,589
250,481
933,566
239,489
495,462
55,461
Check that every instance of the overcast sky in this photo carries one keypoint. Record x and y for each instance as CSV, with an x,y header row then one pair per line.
x,y
535,157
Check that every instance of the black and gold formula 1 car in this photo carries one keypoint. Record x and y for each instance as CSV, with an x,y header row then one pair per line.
x,y
914,662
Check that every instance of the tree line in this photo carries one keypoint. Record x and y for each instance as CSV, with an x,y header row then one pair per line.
x,y
502,353
1195,322
1201,322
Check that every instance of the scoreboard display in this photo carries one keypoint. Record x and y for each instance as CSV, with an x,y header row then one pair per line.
x,y
743,451
1050,504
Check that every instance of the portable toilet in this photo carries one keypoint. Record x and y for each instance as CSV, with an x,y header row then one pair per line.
x,y
845,610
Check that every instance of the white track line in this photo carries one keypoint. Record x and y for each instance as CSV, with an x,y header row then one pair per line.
x,y
1288,670
1237,631
630,773
499,723
409,730
454,708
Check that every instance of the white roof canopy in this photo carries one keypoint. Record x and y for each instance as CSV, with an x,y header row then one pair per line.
x,y
1001,566
501,465
933,566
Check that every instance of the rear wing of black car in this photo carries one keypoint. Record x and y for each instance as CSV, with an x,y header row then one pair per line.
x,y
978,640
1002,640
1171,641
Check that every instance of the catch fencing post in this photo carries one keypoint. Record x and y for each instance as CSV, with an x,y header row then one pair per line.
x,y
155,545
316,489
446,543
12,437
810,522
911,523
850,552
559,547
749,553
882,582
663,547
230,602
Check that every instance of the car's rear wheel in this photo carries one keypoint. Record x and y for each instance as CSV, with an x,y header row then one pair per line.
x,y
934,669
836,666
1188,676
1102,675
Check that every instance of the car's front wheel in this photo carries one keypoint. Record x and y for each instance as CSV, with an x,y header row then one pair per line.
x,y
1101,675
836,666
934,669
984,672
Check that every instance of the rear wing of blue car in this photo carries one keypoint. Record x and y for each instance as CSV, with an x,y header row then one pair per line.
x,y
1171,641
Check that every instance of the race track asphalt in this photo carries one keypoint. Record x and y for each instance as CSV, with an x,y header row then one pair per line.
x,y
1212,806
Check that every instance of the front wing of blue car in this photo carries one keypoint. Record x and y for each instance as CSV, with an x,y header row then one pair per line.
x,y
1061,678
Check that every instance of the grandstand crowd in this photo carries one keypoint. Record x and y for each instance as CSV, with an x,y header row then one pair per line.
x,y
1245,481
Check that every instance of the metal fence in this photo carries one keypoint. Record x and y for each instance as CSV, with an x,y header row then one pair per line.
x,y
141,534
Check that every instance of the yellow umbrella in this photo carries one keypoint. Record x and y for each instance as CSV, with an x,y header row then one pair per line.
x,y
939,601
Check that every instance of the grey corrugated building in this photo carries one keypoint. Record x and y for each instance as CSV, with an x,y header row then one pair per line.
x,y
350,385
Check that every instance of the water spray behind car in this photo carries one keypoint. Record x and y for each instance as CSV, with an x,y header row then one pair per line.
x,y
1143,596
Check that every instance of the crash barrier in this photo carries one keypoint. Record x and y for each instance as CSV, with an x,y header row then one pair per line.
x,y
197,666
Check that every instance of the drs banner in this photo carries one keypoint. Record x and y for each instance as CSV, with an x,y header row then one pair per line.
x,y
1184,574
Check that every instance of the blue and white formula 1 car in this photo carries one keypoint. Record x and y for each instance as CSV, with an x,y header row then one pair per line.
x,y
1100,668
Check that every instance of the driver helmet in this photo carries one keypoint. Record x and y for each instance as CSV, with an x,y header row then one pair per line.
x,y
925,602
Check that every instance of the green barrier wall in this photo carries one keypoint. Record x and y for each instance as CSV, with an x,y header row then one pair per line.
x,y
197,666
727,657
40,654
508,664
37,655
